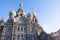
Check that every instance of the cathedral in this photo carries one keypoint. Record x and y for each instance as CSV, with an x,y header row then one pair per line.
x,y
20,26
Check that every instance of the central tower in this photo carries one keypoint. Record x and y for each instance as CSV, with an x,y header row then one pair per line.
x,y
20,11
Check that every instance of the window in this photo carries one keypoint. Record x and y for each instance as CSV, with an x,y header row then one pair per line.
x,y
17,15
21,14
33,29
22,21
0,33
25,37
18,28
21,28
7,38
9,28
25,29
32,37
28,29
18,37
29,38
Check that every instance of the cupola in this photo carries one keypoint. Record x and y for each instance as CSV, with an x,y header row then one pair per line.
x,y
12,14
34,19
29,15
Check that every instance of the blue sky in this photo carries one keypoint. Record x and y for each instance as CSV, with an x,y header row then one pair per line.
x,y
48,11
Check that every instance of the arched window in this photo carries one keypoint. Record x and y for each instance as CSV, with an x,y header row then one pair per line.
x,y
21,28
9,29
21,14
25,29
18,28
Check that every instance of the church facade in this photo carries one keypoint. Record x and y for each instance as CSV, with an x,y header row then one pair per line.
x,y
20,26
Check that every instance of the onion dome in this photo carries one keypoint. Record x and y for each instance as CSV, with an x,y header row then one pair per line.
x,y
12,13
34,19
33,13
29,15
21,5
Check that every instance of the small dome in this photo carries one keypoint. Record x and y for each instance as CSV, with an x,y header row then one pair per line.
x,y
12,13
34,13
29,15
